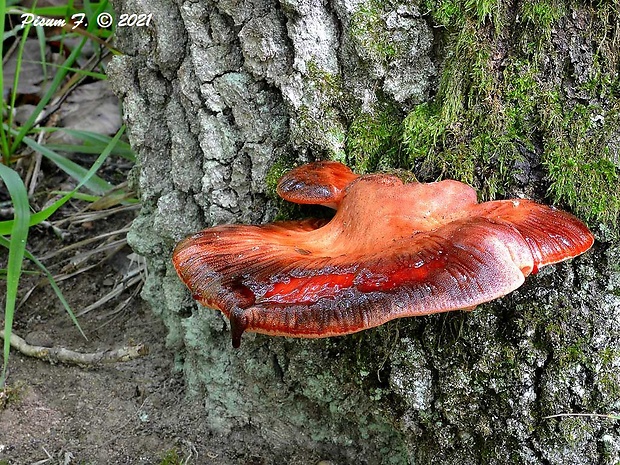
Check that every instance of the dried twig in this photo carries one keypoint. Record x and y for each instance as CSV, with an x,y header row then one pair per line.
x,y
62,355
84,242
88,216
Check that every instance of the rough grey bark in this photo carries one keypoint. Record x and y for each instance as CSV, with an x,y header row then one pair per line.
x,y
214,95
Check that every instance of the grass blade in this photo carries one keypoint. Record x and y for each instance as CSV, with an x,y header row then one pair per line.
x,y
17,247
58,78
36,218
95,184
4,141
5,242
92,142
42,46
18,67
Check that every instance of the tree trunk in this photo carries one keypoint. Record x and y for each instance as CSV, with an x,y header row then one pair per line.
x,y
515,98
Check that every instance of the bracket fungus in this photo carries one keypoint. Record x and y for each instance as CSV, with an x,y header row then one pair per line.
x,y
392,250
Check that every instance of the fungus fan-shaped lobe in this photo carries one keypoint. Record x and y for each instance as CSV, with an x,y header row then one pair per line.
x,y
215,264
551,234
391,250
319,183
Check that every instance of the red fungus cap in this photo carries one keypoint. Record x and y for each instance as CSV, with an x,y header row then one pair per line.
x,y
392,250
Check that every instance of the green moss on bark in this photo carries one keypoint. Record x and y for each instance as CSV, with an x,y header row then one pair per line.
x,y
373,139
504,104
369,30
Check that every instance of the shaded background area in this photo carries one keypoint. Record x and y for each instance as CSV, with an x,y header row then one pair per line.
x,y
515,98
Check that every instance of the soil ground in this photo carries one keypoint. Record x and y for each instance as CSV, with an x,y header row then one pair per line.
x,y
135,412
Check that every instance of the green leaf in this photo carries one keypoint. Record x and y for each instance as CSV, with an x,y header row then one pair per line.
x,y
36,218
95,184
5,242
18,68
93,143
17,246
4,140
56,83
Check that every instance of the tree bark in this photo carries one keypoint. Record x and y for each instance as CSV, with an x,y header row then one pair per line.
x,y
516,98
